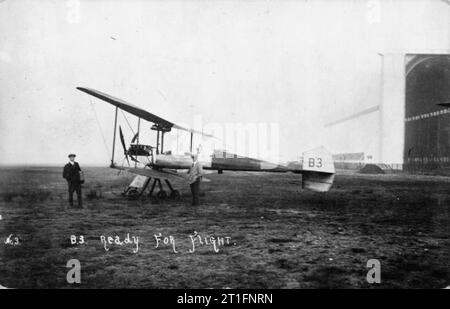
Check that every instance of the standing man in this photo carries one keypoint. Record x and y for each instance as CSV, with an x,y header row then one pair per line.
x,y
195,177
72,174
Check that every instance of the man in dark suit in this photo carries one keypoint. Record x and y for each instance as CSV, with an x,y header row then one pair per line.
x,y
72,174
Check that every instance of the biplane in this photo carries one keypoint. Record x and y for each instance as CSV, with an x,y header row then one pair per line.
x,y
316,166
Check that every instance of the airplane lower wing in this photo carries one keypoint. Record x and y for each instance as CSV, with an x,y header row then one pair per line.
x,y
152,173
158,173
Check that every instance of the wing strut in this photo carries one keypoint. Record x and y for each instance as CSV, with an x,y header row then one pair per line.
x,y
114,138
157,142
138,129
137,137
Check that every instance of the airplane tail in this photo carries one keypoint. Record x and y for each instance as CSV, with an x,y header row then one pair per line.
x,y
318,170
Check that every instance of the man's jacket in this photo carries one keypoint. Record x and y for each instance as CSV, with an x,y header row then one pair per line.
x,y
195,173
72,173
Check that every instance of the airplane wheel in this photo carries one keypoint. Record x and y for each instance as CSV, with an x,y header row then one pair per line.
x,y
161,194
175,194
133,194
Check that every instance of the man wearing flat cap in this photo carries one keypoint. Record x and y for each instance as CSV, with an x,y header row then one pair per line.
x,y
71,173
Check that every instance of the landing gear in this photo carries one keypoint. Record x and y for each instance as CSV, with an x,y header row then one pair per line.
x,y
162,194
138,188
175,194
133,194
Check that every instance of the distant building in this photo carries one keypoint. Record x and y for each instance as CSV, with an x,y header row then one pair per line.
x,y
393,117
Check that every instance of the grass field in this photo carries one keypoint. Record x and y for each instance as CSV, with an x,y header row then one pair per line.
x,y
281,236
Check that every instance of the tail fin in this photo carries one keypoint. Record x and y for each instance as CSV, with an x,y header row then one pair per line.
x,y
318,170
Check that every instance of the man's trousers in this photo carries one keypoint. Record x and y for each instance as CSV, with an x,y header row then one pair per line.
x,y
75,187
195,190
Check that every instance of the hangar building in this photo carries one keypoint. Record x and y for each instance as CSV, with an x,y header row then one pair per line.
x,y
404,127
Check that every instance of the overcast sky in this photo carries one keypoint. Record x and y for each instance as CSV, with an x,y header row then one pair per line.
x,y
289,63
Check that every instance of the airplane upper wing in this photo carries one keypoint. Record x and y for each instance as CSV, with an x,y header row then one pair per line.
x,y
137,111
444,104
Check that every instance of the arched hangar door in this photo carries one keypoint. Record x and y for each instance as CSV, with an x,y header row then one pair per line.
x,y
427,125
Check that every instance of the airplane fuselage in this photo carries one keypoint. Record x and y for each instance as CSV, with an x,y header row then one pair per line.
x,y
219,163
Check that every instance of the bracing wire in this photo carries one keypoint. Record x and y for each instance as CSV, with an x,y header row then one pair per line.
x,y
131,128
100,127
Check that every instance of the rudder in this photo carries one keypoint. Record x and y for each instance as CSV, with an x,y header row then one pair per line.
x,y
318,170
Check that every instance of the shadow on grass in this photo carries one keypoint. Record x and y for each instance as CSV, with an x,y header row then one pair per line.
x,y
31,196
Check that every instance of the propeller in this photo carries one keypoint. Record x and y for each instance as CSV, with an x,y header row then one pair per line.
x,y
122,140
125,151
135,137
